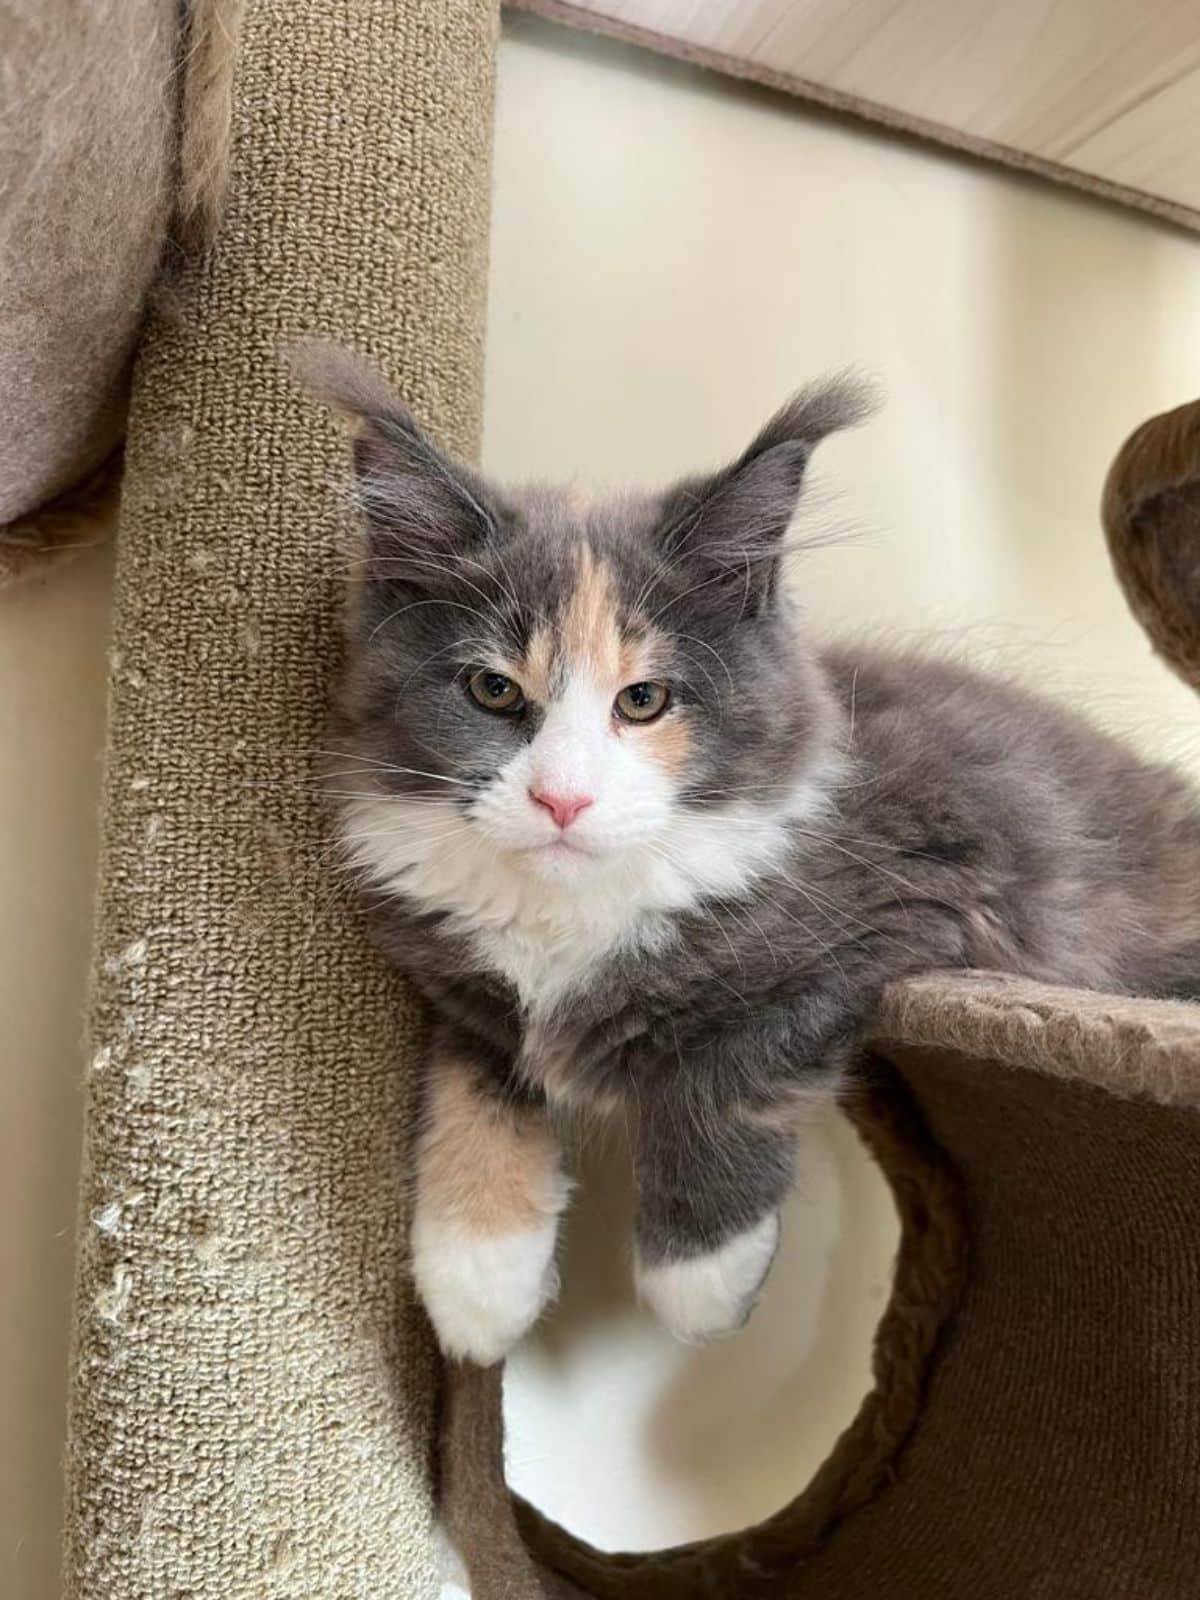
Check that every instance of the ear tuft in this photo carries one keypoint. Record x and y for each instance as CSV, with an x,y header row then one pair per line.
x,y
342,379
421,506
842,401
730,527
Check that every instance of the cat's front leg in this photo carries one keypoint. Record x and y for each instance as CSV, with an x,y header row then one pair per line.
x,y
711,1178
489,1194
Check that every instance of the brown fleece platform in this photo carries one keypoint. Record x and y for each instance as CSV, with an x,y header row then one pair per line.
x,y
1034,1428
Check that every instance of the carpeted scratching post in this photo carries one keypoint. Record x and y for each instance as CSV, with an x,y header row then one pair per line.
x,y
1034,1428
252,1390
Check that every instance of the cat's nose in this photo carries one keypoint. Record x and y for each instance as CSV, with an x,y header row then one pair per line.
x,y
564,808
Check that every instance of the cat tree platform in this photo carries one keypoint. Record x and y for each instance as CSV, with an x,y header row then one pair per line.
x,y
1034,1427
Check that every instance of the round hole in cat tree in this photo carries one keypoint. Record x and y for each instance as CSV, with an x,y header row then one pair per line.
x,y
632,1439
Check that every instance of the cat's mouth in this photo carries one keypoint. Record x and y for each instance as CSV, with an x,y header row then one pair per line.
x,y
556,854
557,847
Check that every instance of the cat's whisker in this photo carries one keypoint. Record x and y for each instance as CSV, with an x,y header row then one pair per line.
x,y
439,568
481,649
408,830
696,588
421,562
408,798
417,772
507,585
316,787
779,789
690,638
662,571
712,683
417,605
383,766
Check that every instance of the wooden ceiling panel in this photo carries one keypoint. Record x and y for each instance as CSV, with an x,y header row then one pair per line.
x,y
1102,92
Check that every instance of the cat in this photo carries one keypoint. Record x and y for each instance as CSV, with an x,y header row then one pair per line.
x,y
647,850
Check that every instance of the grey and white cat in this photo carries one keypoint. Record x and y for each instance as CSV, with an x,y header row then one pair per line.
x,y
646,850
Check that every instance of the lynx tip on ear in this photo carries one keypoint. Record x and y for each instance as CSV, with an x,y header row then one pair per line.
x,y
341,378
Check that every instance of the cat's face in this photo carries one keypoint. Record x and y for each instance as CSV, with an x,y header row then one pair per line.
x,y
563,691
572,682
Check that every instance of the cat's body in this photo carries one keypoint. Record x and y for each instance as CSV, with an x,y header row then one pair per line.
x,y
682,905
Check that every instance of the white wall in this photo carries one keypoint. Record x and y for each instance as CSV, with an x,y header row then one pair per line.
x,y
673,254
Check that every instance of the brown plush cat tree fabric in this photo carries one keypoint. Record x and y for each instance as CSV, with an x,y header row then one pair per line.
x,y
251,1388
1034,1429
1152,519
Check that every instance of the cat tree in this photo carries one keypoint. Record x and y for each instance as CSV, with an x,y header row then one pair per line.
x,y
252,1394
255,1406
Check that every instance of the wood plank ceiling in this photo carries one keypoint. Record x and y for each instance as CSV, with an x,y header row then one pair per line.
x,y
1108,91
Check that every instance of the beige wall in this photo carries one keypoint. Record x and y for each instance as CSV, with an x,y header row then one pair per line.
x,y
52,641
673,254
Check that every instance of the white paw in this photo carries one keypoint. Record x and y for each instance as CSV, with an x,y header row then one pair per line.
x,y
703,1297
482,1292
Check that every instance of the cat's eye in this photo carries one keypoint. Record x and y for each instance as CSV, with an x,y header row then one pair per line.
x,y
495,692
642,702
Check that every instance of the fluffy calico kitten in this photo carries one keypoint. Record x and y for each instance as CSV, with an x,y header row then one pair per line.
x,y
645,849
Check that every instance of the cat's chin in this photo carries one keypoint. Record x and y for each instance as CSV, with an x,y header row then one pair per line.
x,y
558,860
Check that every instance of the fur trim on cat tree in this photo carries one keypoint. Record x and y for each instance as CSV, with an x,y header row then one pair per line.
x,y
1036,1403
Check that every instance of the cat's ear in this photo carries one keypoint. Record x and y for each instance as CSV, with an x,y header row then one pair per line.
x,y
726,531
420,505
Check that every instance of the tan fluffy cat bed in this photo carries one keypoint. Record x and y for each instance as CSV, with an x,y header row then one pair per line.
x,y
1034,1428
115,117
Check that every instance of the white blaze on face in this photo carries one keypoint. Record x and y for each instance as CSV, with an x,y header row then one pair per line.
x,y
580,753
575,748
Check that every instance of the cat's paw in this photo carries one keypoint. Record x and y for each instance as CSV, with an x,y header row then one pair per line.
x,y
702,1297
483,1292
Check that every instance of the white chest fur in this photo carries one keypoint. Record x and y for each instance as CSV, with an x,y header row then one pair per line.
x,y
546,935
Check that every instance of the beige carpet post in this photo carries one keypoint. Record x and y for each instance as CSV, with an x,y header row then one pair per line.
x,y
251,1390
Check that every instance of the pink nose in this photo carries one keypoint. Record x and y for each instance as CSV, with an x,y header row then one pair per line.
x,y
564,808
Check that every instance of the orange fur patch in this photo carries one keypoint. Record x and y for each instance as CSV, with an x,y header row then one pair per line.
x,y
535,670
591,636
667,742
588,640
635,663
479,1162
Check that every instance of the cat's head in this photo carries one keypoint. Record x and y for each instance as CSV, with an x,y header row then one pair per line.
x,y
575,678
